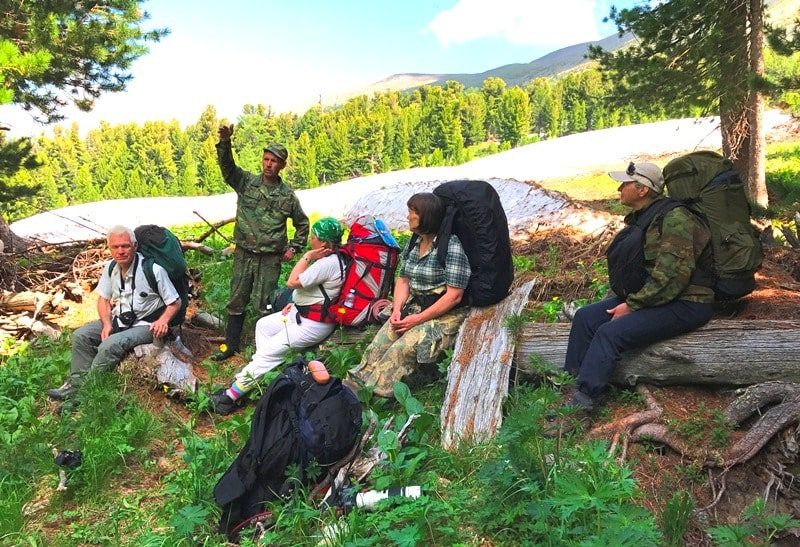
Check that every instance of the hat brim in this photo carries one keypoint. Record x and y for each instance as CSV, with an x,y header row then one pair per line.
x,y
621,176
277,153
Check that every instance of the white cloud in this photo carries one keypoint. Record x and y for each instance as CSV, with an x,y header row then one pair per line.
x,y
523,22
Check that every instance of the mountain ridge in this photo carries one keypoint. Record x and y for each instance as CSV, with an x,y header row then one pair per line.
x,y
551,64
779,13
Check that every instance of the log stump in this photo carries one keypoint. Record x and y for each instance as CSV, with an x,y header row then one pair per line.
x,y
477,380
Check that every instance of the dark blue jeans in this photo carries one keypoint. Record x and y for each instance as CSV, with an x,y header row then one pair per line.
x,y
596,342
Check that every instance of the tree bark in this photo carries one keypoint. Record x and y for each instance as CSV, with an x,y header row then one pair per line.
x,y
477,379
742,109
756,175
722,353
162,366
10,241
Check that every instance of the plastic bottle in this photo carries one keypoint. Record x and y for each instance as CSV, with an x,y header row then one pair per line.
x,y
369,498
350,299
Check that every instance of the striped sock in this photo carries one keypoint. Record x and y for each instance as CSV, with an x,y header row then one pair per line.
x,y
236,391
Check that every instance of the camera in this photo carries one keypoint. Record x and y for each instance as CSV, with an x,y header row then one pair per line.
x,y
127,318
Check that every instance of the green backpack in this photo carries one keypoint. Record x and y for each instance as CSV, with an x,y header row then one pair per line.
x,y
159,245
711,187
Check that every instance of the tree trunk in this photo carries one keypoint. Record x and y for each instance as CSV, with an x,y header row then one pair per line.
x,y
726,353
477,380
10,241
741,110
756,175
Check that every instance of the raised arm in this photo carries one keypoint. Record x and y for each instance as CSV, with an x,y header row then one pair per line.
x,y
231,174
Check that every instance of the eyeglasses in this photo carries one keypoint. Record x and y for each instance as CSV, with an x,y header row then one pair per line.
x,y
631,170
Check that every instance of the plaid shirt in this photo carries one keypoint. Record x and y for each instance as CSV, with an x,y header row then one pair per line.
x,y
425,275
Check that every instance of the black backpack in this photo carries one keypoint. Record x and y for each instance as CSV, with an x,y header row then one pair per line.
x,y
160,246
625,255
296,421
474,213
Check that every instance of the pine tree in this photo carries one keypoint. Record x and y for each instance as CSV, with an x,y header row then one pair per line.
x,y
514,115
697,54
304,163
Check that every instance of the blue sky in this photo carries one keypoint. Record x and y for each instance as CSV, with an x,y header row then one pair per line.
x,y
287,54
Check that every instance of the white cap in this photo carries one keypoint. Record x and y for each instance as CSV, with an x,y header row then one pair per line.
x,y
646,174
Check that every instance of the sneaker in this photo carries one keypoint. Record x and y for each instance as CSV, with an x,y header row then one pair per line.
x,y
61,393
223,405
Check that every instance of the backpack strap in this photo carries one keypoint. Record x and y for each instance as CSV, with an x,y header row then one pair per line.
x,y
147,269
411,243
321,312
308,399
443,237
656,210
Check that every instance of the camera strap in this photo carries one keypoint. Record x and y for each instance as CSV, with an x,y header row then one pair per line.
x,y
133,281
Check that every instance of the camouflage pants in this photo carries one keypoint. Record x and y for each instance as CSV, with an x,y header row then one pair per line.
x,y
254,275
390,357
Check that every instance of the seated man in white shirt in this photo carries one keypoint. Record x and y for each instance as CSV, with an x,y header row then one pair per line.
x,y
131,313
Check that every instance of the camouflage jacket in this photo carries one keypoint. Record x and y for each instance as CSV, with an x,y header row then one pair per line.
x,y
673,248
262,208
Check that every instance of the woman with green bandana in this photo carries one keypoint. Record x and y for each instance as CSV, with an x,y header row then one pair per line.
x,y
318,273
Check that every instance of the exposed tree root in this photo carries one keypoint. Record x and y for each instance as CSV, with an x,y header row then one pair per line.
x,y
645,425
770,423
660,433
756,397
625,426
783,400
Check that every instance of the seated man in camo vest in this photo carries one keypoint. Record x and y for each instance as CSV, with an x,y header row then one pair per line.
x,y
660,273
131,313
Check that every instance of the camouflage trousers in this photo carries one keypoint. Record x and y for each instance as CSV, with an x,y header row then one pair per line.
x,y
390,357
254,275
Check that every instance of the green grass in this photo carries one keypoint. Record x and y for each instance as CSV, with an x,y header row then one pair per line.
x,y
148,474
783,177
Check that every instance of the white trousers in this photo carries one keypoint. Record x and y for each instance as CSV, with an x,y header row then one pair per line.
x,y
275,334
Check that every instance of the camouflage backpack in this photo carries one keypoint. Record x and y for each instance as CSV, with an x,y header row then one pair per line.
x,y
710,186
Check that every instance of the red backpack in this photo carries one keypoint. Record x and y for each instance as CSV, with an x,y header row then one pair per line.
x,y
368,258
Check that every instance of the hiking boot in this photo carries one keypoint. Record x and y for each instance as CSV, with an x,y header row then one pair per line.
x,y
559,426
62,393
577,413
233,337
223,405
68,406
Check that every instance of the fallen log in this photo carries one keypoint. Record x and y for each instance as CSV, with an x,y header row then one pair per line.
x,y
213,228
32,301
195,246
477,379
722,353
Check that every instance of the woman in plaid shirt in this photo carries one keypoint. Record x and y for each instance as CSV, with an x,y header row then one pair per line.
x,y
426,312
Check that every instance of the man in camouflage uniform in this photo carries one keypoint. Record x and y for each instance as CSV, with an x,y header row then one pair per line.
x,y
676,296
263,205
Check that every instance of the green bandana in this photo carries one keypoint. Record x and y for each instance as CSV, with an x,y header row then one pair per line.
x,y
328,229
